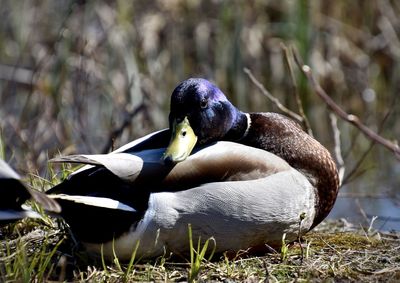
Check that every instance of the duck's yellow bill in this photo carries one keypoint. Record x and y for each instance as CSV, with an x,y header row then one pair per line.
x,y
182,142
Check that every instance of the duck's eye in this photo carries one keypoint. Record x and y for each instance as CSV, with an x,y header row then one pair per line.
x,y
204,103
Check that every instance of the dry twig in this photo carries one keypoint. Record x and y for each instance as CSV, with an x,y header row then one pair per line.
x,y
338,151
352,174
352,119
276,101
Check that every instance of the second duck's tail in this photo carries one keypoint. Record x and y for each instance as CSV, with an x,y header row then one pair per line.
x,y
13,194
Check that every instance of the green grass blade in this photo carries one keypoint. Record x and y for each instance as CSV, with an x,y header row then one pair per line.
x,y
131,261
103,262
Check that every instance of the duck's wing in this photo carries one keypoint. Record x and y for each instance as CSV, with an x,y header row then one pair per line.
x,y
151,141
6,172
159,139
131,177
96,219
129,167
13,193
222,161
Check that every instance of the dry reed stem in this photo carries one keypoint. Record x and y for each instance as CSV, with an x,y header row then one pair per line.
x,y
288,59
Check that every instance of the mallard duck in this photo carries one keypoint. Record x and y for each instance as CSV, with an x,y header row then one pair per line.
x,y
243,178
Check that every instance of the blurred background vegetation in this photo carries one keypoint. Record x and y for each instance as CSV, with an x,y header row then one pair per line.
x,y
80,76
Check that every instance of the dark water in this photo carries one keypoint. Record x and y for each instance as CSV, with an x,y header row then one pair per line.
x,y
362,210
375,194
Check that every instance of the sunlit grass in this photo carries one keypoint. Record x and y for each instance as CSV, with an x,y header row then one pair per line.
x,y
198,255
126,271
28,258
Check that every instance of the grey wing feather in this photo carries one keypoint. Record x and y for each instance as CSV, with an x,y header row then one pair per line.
x,y
6,172
81,159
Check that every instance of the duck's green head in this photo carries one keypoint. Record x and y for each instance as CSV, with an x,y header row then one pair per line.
x,y
200,113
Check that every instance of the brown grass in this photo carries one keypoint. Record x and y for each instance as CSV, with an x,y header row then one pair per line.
x,y
335,250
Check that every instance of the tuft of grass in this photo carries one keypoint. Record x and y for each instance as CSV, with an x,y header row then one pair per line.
x,y
131,265
197,255
23,262
2,147
103,262
125,272
284,249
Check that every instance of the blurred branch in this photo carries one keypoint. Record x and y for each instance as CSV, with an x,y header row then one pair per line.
x,y
126,123
364,195
352,119
60,31
351,175
338,151
384,218
352,172
16,74
387,24
386,8
361,210
288,56
266,93
390,35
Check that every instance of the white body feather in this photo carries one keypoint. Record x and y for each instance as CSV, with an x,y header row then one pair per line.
x,y
237,214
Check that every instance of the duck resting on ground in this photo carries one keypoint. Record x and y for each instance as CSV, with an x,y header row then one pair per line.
x,y
243,178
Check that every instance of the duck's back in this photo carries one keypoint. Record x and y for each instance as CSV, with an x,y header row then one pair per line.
x,y
279,135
